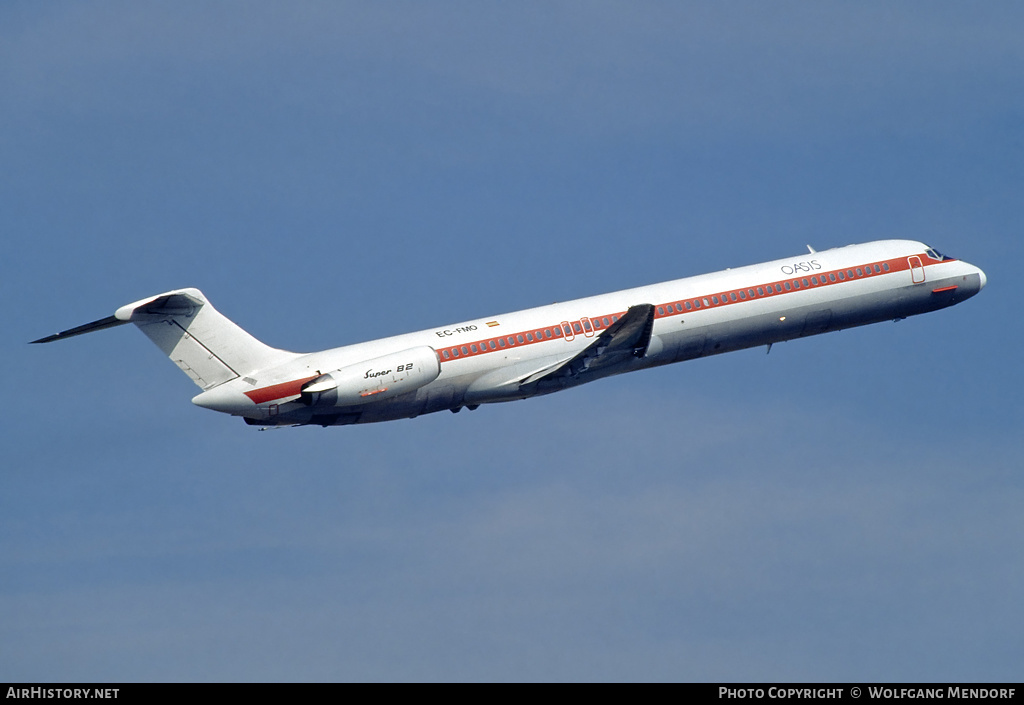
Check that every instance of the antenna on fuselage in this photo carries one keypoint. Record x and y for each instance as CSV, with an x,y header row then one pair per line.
x,y
813,251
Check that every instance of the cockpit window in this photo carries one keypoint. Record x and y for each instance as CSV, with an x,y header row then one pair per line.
x,y
935,254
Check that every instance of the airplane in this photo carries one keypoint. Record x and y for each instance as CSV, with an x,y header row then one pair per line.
x,y
545,349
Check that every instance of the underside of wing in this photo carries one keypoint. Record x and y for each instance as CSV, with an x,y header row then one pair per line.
x,y
616,346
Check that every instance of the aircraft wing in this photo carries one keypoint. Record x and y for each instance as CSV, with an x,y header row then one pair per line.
x,y
627,338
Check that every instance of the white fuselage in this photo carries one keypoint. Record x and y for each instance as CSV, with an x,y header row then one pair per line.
x,y
492,359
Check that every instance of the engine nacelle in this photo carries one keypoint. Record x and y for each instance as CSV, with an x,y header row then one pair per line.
x,y
374,380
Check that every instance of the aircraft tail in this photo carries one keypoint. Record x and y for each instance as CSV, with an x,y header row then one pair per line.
x,y
205,344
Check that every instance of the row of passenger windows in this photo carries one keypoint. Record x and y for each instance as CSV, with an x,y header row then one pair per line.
x,y
768,290
567,329
589,325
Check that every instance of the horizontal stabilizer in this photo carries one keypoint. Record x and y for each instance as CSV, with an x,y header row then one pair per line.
x,y
200,340
175,303
108,322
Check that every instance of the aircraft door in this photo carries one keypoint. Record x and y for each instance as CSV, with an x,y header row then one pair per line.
x,y
916,269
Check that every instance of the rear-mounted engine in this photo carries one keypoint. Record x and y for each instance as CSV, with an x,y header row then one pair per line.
x,y
374,380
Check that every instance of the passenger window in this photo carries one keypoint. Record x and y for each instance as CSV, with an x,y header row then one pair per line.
x,y
760,291
464,351
446,355
661,311
743,295
519,338
732,295
714,300
586,325
501,342
576,327
806,283
473,347
689,306
606,321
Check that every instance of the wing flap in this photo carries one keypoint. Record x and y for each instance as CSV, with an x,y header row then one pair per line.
x,y
534,375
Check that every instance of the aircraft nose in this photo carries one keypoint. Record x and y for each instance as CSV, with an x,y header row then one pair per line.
x,y
974,280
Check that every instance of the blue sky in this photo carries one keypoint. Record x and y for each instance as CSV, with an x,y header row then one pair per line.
x,y
846,508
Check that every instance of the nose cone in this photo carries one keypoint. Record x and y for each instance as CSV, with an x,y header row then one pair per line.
x,y
971,281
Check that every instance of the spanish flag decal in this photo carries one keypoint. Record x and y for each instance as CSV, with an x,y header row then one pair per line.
x,y
492,324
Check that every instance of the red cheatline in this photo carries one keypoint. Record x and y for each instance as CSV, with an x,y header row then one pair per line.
x,y
816,279
277,391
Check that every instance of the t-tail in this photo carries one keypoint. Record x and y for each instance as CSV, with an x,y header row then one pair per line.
x,y
205,344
